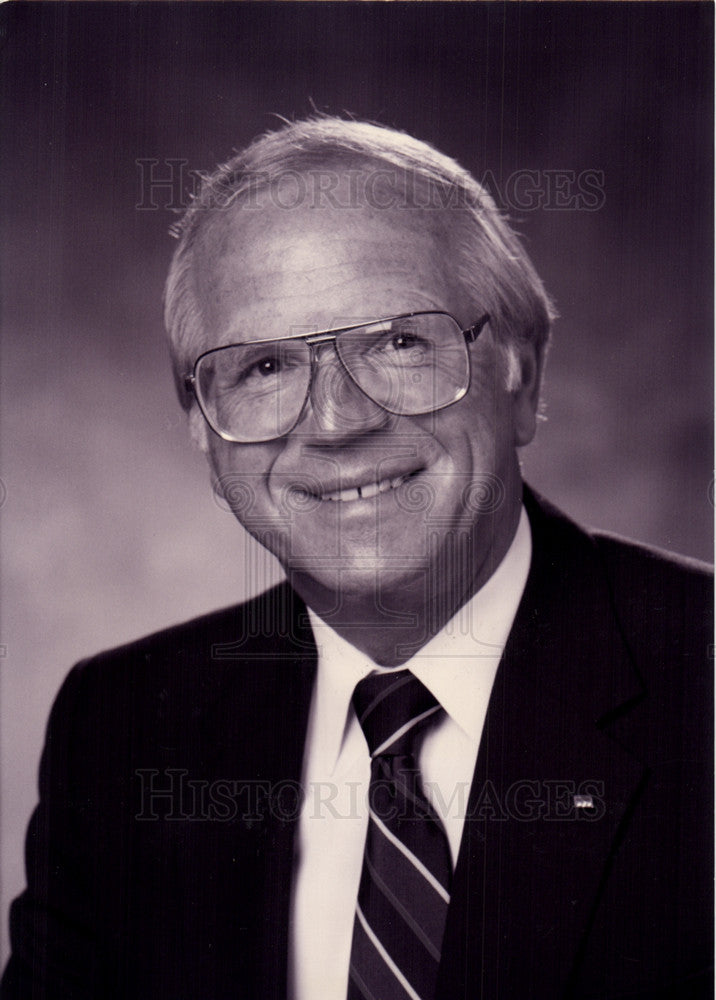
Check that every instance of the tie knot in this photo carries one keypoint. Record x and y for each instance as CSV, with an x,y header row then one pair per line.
x,y
392,708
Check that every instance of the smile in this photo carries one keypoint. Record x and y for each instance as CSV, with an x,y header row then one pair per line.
x,y
365,492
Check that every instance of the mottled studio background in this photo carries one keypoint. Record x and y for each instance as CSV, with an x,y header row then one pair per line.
x,y
109,525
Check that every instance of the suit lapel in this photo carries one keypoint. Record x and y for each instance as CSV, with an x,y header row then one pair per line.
x,y
253,729
531,863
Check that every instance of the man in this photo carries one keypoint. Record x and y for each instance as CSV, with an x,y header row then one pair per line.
x,y
464,750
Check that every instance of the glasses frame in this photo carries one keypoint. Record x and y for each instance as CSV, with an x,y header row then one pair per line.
x,y
314,340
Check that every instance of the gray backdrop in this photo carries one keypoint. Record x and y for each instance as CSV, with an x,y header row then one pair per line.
x,y
591,124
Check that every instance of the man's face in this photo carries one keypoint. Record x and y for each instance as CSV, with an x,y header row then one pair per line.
x,y
442,489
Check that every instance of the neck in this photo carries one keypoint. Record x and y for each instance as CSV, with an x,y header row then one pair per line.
x,y
391,620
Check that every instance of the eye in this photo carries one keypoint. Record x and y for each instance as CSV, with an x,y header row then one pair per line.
x,y
266,366
403,341
235,374
261,366
408,348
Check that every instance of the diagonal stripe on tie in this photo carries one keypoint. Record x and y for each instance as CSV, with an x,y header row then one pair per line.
x,y
382,962
380,829
405,883
420,964
403,730
385,691
391,897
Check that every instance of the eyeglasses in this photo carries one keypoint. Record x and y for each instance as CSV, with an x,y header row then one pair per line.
x,y
408,365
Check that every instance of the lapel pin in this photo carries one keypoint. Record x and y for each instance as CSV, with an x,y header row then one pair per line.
x,y
583,802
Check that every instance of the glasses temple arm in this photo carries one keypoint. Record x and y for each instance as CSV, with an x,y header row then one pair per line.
x,y
473,332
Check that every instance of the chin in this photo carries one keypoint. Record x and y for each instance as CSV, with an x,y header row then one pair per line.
x,y
372,582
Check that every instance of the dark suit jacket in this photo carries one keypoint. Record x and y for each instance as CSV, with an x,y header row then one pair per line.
x,y
604,691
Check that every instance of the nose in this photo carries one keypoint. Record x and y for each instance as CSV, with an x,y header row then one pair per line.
x,y
336,406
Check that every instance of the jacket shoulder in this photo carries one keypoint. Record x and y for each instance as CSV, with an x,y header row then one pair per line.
x,y
249,628
658,592
623,555
637,573
662,602
177,671
183,689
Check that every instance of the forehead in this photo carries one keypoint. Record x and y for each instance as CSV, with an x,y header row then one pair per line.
x,y
282,270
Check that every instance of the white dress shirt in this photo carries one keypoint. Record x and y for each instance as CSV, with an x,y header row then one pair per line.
x,y
458,666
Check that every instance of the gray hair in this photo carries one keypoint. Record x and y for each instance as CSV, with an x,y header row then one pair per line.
x,y
491,263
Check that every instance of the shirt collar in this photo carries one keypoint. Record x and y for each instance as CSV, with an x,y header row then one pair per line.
x,y
457,665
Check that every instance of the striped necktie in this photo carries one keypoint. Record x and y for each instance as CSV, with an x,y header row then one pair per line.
x,y
405,882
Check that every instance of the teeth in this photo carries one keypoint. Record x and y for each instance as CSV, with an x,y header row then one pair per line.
x,y
370,490
367,491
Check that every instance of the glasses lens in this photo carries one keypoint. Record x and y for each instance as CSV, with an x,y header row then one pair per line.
x,y
254,392
414,364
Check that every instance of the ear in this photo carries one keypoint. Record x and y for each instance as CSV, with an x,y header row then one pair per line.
x,y
525,398
198,429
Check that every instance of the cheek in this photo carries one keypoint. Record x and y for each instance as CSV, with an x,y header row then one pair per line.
x,y
476,444
488,415
241,477
473,430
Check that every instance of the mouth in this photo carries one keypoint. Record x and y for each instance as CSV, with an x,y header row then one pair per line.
x,y
365,491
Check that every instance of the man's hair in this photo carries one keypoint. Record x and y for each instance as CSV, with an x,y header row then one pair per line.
x,y
490,261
